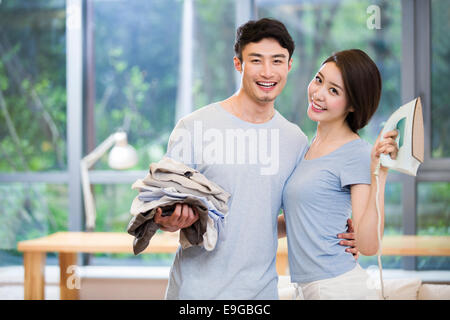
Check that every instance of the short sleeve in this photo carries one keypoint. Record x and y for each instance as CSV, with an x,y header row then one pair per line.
x,y
356,169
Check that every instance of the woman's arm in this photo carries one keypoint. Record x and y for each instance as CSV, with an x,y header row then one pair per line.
x,y
363,197
365,214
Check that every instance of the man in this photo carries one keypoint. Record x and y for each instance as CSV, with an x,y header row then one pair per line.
x,y
244,145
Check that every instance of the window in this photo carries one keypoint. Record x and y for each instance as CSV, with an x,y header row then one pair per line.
x,y
440,79
33,158
214,73
135,65
30,210
32,86
136,73
433,219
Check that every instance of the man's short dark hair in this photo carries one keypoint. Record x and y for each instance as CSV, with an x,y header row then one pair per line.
x,y
255,31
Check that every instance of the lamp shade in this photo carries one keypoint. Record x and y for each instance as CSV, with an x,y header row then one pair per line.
x,y
122,155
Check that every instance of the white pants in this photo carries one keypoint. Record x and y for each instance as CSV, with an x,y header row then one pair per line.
x,y
352,285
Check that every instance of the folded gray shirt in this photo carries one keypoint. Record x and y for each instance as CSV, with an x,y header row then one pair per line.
x,y
142,226
185,180
197,191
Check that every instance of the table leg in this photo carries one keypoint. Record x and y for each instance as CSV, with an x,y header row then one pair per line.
x,y
282,263
34,280
69,281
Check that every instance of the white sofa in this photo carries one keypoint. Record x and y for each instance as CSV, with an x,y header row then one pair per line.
x,y
394,289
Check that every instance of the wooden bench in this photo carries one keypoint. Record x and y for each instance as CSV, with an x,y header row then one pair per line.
x,y
69,244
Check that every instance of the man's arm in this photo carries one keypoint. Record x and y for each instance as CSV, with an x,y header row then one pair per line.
x,y
349,239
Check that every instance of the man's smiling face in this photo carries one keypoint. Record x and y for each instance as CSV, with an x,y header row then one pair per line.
x,y
265,66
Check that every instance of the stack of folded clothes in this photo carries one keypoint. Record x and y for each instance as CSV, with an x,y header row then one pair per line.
x,y
168,183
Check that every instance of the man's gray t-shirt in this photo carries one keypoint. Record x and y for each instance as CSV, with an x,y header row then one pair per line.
x,y
317,204
252,162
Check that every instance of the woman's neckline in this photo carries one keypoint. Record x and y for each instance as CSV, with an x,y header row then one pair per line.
x,y
330,153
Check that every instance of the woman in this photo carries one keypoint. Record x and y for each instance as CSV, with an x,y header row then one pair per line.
x,y
335,179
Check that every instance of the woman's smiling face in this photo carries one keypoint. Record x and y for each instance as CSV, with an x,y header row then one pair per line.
x,y
326,95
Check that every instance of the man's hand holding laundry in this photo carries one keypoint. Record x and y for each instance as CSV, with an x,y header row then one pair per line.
x,y
174,196
182,217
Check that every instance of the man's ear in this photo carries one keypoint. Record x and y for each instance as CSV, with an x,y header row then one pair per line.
x,y
237,64
290,65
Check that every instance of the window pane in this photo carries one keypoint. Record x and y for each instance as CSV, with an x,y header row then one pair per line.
x,y
433,208
136,73
32,85
214,74
321,28
440,78
393,209
29,211
433,218
113,202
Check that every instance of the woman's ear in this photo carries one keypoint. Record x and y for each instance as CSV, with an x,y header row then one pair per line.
x,y
350,109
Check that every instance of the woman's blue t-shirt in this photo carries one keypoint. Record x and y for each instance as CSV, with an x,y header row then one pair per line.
x,y
317,204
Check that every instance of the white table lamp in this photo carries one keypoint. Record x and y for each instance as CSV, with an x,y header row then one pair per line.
x,y
122,156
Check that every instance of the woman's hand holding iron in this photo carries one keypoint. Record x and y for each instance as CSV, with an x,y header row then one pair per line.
x,y
387,146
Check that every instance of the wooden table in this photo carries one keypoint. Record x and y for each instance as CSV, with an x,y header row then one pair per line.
x,y
69,244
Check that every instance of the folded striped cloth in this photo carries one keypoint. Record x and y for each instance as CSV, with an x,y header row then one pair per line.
x,y
168,183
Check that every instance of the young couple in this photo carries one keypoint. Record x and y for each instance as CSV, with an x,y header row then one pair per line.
x,y
318,186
